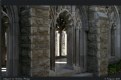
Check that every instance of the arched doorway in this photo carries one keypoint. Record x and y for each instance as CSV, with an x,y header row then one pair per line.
x,y
62,40
62,22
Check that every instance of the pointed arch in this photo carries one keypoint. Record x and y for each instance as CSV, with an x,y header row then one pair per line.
x,y
13,40
114,33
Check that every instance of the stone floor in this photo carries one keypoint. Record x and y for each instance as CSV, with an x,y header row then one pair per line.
x,y
60,64
83,75
63,70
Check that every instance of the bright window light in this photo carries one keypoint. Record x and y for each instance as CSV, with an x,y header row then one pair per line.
x,y
61,62
3,69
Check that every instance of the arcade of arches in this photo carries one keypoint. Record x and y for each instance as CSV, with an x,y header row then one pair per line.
x,y
59,40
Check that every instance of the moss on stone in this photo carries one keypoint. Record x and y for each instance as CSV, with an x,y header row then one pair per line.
x,y
114,68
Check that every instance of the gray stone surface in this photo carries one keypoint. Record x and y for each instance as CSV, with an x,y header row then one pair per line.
x,y
40,64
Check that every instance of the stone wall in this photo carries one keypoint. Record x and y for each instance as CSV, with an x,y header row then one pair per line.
x,y
40,60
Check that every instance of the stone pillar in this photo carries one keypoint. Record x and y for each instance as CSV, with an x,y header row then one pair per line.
x,y
98,41
13,45
25,43
78,58
10,51
70,47
84,50
77,47
40,41
81,50
74,46
103,46
52,47
16,44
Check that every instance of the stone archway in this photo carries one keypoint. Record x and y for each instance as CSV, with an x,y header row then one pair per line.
x,y
114,34
63,26
62,23
76,37
12,50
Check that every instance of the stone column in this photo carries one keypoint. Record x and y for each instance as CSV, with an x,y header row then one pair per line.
x,y
84,50
102,38
13,45
52,48
74,46
77,47
70,47
40,41
74,34
77,52
81,49
25,43
10,51
98,41
16,44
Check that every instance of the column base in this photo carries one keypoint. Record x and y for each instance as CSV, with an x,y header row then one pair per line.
x,y
77,69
